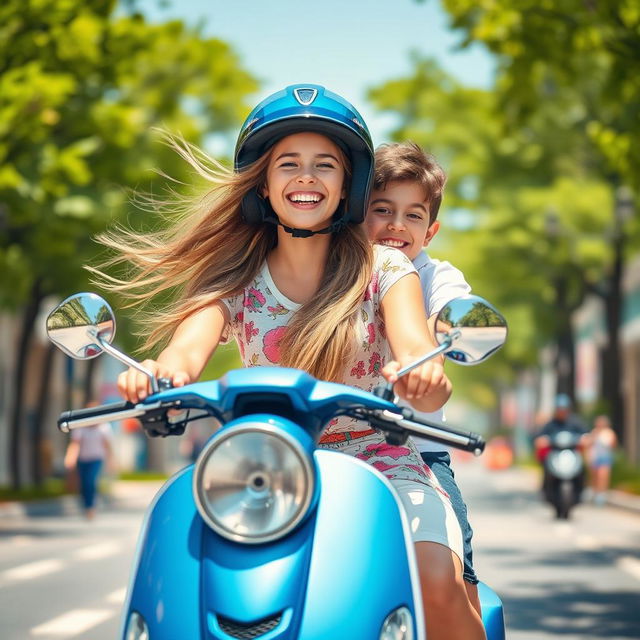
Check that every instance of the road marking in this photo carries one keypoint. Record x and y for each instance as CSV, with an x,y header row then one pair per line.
x,y
588,543
32,570
563,529
72,623
97,551
629,565
117,597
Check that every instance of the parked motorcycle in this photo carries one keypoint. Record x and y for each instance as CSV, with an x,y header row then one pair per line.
x,y
563,471
259,538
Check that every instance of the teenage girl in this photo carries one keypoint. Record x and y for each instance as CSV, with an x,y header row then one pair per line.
x,y
274,256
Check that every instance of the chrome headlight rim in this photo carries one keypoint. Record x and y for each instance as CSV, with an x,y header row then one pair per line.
x,y
263,428
400,618
137,628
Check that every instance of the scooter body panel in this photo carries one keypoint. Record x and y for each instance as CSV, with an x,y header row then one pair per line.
x,y
492,612
362,565
343,570
165,585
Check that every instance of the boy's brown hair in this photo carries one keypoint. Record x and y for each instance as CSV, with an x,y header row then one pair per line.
x,y
406,161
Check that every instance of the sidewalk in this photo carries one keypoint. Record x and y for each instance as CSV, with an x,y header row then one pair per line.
x,y
127,494
624,500
123,494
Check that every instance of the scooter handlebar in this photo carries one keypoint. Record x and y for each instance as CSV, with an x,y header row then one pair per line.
x,y
406,424
78,418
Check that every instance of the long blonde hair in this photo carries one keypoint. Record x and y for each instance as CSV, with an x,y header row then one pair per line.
x,y
207,252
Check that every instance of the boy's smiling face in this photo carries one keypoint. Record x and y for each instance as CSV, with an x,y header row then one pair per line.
x,y
398,216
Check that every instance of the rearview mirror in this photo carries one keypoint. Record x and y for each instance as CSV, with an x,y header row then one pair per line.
x,y
473,327
80,325
84,326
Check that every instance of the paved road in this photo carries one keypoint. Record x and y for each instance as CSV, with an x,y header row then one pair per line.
x,y
576,580
61,577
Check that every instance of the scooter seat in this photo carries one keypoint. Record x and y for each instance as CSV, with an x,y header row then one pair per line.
x,y
492,612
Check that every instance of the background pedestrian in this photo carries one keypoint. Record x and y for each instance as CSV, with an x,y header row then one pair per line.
x,y
602,443
89,449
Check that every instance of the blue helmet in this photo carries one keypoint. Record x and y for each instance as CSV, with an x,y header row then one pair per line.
x,y
300,108
563,401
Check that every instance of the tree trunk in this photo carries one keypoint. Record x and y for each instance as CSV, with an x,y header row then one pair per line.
x,y
88,381
41,413
565,364
611,358
16,415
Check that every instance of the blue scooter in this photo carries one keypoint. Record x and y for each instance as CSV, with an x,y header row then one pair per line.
x,y
267,536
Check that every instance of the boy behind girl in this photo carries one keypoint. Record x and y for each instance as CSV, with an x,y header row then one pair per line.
x,y
402,213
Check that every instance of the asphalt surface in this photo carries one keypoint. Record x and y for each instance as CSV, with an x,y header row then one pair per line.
x,y
63,577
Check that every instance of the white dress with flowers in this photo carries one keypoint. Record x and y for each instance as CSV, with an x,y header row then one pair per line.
x,y
259,318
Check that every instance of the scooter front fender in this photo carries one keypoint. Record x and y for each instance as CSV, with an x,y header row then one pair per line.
x,y
165,580
340,574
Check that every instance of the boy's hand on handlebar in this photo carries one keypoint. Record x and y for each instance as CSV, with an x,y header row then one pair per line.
x,y
134,386
425,380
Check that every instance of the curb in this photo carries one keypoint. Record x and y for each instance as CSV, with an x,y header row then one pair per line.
x,y
122,494
623,500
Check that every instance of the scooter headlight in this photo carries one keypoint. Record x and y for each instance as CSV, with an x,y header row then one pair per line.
x,y
565,464
398,625
253,483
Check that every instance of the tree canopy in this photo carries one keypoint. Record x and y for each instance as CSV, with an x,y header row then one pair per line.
x,y
80,92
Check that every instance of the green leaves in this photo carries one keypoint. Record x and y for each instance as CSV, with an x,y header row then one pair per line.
x,y
80,92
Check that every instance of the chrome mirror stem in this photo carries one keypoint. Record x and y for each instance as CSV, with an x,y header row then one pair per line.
x,y
130,362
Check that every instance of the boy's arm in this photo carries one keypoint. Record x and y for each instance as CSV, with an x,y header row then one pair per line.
x,y
445,284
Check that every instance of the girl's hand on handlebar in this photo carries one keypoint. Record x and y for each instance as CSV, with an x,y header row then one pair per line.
x,y
426,380
134,386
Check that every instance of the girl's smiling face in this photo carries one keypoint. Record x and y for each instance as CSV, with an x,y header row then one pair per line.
x,y
305,180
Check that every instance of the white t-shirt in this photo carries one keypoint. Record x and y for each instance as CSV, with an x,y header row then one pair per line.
x,y
441,282
93,441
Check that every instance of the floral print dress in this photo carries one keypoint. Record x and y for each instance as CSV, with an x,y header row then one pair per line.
x,y
259,318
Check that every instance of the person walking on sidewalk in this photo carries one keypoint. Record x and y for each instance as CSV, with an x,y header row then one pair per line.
x,y
602,442
88,450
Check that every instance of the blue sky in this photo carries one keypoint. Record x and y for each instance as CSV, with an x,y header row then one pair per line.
x,y
345,45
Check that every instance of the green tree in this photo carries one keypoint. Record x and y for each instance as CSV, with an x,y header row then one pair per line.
x,y
507,184
80,91
583,56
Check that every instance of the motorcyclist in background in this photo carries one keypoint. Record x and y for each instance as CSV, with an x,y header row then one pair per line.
x,y
563,419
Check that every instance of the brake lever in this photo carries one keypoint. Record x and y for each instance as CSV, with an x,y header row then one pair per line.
x,y
387,422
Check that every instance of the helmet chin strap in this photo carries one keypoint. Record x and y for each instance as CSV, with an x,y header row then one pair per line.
x,y
306,233
272,217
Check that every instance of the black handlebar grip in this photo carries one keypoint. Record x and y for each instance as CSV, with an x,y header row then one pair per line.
x,y
476,443
94,412
464,440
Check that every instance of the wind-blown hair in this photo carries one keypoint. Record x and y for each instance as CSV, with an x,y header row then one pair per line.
x,y
207,252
